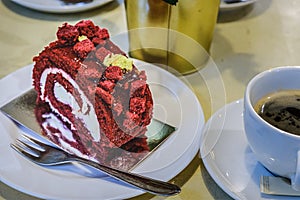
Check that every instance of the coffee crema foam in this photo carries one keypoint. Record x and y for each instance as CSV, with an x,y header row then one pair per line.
x,y
281,109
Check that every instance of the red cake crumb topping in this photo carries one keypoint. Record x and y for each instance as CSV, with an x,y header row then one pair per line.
x,y
67,34
83,48
113,73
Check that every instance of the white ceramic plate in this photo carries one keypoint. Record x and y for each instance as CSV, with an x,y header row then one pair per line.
x,y
230,162
232,6
57,6
174,102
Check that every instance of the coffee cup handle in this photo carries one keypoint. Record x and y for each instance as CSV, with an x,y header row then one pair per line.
x,y
295,179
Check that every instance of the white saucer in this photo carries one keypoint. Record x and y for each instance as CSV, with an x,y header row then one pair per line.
x,y
232,6
230,161
57,6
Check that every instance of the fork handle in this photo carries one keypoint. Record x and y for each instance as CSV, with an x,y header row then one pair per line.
x,y
150,185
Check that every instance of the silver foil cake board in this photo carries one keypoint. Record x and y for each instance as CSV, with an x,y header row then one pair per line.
x,y
21,111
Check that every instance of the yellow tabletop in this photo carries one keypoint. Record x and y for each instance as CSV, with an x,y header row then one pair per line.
x,y
246,41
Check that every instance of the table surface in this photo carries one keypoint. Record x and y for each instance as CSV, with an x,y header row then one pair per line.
x,y
246,41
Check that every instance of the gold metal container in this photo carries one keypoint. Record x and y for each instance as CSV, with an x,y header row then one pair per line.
x,y
177,36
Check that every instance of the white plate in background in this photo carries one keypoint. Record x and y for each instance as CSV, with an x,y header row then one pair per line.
x,y
232,6
57,6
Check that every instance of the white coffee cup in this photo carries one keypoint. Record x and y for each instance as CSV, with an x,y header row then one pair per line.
x,y
277,150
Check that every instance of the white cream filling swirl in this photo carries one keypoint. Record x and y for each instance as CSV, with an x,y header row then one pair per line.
x,y
86,113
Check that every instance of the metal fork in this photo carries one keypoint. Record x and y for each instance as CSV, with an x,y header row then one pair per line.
x,y
45,155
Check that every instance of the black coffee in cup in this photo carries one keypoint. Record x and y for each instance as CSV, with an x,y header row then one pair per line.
x,y
281,109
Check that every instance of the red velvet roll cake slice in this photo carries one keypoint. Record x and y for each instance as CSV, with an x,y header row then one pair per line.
x,y
91,99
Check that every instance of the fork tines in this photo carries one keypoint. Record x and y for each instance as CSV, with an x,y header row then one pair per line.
x,y
28,146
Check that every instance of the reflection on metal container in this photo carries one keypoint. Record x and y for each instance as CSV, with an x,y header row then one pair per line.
x,y
177,36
